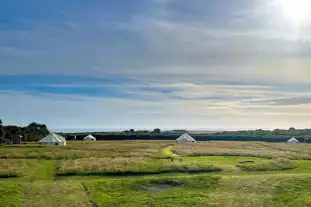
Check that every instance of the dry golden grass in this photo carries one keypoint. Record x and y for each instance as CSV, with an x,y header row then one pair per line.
x,y
293,147
121,164
130,166
9,168
256,149
82,149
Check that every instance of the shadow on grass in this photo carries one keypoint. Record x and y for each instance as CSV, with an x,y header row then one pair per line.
x,y
9,176
132,173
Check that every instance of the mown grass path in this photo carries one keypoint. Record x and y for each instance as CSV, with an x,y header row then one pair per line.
x,y
39,170
167,151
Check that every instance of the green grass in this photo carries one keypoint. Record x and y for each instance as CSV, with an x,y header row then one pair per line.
x,y
135,192
165,174
293,191
248,191
39,170
62,194
270,165
10,194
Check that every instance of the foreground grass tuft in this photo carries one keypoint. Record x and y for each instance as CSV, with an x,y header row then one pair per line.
x,y
10,195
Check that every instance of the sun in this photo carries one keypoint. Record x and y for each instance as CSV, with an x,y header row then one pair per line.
x,y
296,10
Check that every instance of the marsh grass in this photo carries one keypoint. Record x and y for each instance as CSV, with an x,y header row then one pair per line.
x,y
142,192
87,165
250,149
202,190
130,166
10,194
80,149
48,194
250,184
11,168
268,165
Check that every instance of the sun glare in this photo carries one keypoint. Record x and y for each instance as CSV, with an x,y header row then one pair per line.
x,y
296,10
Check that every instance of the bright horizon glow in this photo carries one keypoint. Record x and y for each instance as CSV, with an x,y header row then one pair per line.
x,y
296,10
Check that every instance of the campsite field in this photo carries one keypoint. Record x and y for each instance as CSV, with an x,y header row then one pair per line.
x,y
156,173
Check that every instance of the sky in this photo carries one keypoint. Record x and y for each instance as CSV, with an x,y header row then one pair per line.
x,y
114,64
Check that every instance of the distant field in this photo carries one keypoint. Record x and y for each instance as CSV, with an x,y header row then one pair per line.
x,y
82,149
256,149
156,173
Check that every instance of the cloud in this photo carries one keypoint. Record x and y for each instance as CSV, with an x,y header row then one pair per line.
x,y
161,62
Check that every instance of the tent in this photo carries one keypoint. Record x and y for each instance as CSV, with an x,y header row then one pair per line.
x,y
292,140
89,137
185,138
53,139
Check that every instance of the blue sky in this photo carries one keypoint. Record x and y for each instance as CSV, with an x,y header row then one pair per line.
x,y
225,64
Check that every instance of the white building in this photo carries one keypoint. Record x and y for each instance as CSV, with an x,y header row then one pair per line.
x,y
185,138
89,138
53,139
293,140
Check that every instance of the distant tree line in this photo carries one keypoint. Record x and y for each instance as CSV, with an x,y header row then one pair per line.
x,y
277,135
281,133
35,131
15,134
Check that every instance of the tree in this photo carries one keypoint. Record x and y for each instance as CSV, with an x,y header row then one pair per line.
x,y
132,130
157,130
2,131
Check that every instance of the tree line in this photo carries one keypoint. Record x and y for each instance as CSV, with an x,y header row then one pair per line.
x,y
12,134
281,133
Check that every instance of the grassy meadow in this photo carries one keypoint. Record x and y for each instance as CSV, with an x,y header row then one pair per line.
x,y
156,173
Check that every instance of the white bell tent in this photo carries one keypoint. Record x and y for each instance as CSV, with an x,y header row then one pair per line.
x,y
53,139
185,138
89,138
293,140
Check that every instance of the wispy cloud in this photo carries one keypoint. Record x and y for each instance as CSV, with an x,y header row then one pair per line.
x,y
157,62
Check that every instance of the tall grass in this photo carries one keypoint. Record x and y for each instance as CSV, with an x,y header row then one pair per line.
x,y
130,166
237,149
11,168
80,149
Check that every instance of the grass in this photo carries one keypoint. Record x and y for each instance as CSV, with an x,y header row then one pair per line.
x,y
136,192
48,194
167,152
80,149
10,195
248,191
270,165
254,149
130,166
11,168
218,174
